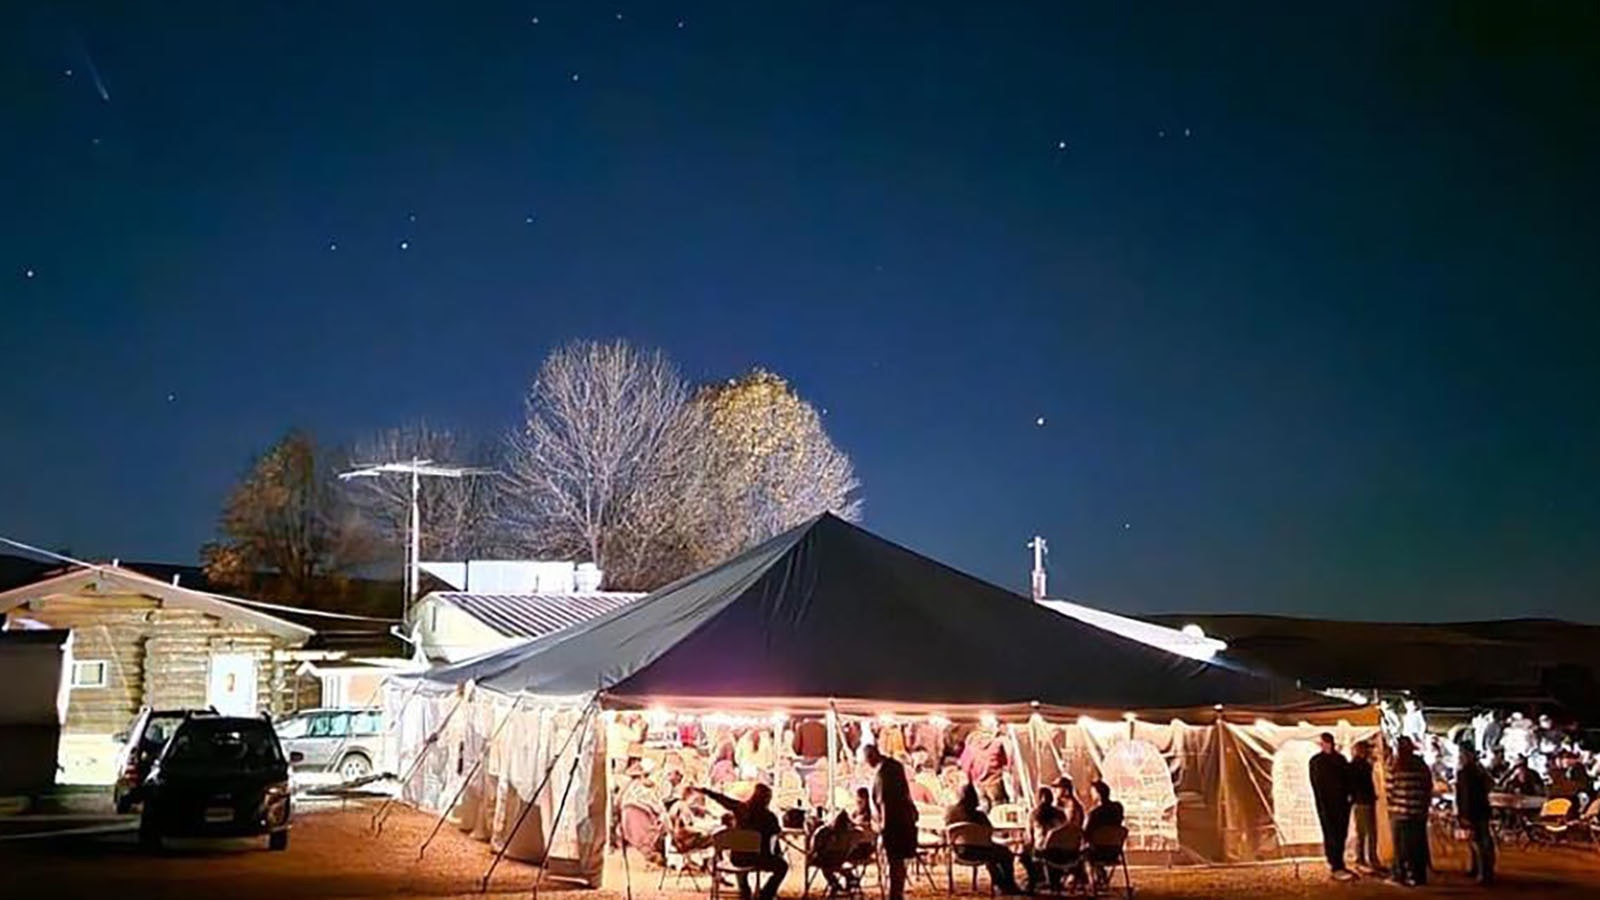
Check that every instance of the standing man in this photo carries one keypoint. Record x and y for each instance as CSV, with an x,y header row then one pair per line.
x,y
1330,785
1364,806
1410,793
1473,812
896,815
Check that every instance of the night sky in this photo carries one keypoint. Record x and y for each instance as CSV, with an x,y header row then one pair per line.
x,y
1307,302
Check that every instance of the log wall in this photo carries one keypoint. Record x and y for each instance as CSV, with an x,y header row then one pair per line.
x,y
157,656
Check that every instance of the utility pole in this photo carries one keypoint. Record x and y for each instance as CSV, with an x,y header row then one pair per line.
x,y
1040,550
416,468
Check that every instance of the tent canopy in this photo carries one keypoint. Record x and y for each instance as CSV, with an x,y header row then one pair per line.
x,y
829,610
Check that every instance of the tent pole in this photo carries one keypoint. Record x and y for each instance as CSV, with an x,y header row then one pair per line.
x,y
416,766
561,808
467,779
833,751
483,884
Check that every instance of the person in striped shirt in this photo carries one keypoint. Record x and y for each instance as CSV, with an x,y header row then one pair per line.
x,y
1410,793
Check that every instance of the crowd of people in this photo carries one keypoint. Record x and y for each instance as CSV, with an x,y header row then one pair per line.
x,y
768,780
1457,774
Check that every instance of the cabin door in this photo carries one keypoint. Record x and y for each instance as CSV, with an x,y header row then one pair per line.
x,y
233,684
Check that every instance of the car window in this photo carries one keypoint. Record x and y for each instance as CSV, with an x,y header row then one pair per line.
x,y
221,742
366,724
293,727
157,731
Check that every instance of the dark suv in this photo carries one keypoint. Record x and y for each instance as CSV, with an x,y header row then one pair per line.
x,y
141,744
219,776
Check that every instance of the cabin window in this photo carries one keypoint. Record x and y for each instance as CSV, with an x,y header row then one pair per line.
x,y
89,673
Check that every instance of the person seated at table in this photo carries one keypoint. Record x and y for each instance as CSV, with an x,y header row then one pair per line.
x,y
924,785
1067,801
861,813
832,846
723,769
1045,818
756,815
691,823
996,857
1523,780
1106,813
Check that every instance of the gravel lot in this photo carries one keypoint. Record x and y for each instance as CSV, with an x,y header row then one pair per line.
x,y
333,854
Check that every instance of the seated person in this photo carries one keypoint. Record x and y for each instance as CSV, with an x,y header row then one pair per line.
x,y
925,786
994,856
756,815
1523,780
1107,813
832,846
1067,802
861,813
1046,818
691,823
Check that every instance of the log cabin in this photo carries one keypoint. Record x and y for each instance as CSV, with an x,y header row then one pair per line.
x,y
138,641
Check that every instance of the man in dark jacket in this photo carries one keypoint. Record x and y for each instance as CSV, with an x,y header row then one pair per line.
x,y
1410,792
1330,786
1364,806
756,815
1473,813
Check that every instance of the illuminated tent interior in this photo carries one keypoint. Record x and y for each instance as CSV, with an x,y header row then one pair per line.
x,y
833,630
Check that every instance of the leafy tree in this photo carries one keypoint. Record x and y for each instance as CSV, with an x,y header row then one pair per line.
x,y
285,520
768,466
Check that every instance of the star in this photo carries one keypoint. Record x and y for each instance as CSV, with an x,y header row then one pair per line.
x,y
528,220
1161,134
1126,525
619,17
67,73
405,245
171,397
574,76
534,20
1061,145
94,141
1039,421
333,245
680,23
28,273
1186,132
411,217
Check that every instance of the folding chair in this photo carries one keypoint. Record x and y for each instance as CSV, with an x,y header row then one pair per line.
x,y
724,844
681,863
1062,853
1104,855
850,870
1554,820
967,845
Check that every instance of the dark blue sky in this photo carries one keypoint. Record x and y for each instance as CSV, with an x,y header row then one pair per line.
x,y
1308,301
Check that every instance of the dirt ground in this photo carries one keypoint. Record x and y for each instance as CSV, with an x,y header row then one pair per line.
x,y
333,854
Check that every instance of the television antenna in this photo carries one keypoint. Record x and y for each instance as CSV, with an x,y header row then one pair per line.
x,y
417,469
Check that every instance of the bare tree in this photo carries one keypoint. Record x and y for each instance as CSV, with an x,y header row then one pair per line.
x,y
457,514
769,463
587,468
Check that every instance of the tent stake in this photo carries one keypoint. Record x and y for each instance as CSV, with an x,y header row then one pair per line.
x,y
483,883
416,766
467,779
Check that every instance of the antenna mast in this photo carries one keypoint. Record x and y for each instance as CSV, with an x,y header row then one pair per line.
x,y
1040,551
